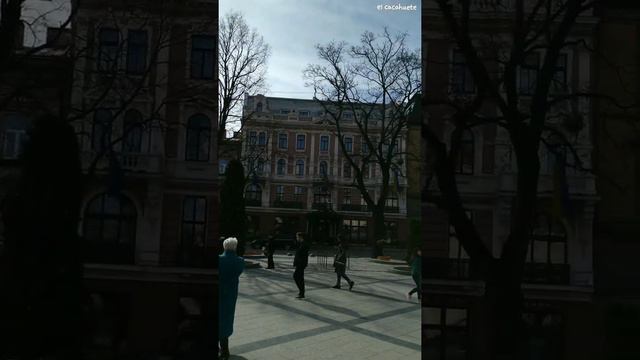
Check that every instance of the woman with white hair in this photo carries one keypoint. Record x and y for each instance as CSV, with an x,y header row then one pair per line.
x,y
230,267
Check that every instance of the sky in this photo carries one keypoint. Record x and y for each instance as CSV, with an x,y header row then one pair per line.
x,y
293,28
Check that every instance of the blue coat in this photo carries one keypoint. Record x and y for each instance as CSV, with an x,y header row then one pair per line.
x,y
230,267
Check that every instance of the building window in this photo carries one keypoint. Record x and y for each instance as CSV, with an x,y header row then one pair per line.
x,y
259,107
461,78
262,138
222,166
346,196
136,51
323,168
364,147
298,193
300,141
548,242
253,193
13,135
132,140
355,231
101,132
304,115
348,144
445,333
110,229
528,74
347,116
324,143
283,141
391,202
346,170
253,137
260,167
545,327
299,167
202,57
281,167
193,230
322,196
108,48
279,192
198,138
466,154
560,80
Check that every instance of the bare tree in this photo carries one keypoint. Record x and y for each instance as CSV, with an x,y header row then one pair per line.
x,y
242,64
367,90
546,115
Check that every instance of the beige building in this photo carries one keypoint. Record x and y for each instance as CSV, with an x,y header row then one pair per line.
x,y
296,168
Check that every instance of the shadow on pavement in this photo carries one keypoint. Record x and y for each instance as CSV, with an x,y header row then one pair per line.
x,y
237,357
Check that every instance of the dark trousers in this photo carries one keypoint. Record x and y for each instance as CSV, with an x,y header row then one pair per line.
x,y
298,277
341,274
270,264
418,288
224,346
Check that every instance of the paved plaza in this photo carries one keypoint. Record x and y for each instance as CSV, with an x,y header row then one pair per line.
x,y
373,321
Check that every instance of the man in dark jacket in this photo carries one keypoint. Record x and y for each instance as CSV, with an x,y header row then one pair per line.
x,y
340,264
300,261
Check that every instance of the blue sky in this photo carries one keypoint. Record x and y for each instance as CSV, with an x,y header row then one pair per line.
x,y
292,28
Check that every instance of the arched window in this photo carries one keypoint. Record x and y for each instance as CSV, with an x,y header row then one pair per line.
x,y
132,132
466,154
13,135
198,138
323,168
101,132
259,107
281,167
299,167
110,229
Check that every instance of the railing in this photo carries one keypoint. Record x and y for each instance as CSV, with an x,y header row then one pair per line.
x,y
354,207
288,204
444,268
552,274
147,163
322,206
391,209
252,202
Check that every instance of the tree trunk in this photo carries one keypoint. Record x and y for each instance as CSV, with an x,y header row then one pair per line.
x,y
379,227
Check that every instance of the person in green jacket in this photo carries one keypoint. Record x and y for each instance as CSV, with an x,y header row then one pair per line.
x,y
416,273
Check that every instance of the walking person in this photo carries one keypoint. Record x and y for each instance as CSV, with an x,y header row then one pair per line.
x,y
340,264
300,261
230,268
416,273
277,229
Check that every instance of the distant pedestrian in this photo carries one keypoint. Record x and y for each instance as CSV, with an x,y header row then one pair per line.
x,y
340,264
230,268
277,230
416,273
300,261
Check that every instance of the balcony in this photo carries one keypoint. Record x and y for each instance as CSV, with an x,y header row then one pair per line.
x,y
288,204
143,163
391,209
322,206
253,202
354,207
448,269
551,274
